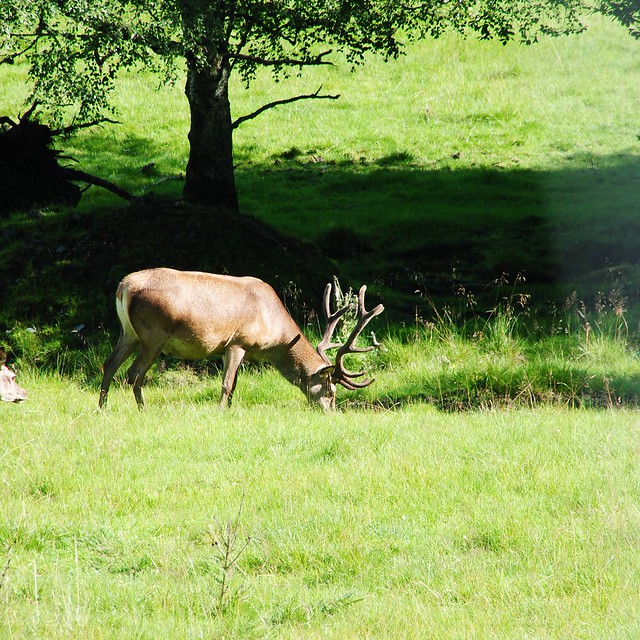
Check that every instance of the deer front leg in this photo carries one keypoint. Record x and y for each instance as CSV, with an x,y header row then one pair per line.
x,y
232,359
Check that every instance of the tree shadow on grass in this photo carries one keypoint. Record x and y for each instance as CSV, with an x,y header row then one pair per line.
x,y
416,237
573,387
407,229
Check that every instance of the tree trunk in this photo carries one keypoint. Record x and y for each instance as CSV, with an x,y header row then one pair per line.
x,y
210,177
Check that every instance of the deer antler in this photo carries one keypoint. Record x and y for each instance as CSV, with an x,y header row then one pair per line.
x,y
341,375
332,323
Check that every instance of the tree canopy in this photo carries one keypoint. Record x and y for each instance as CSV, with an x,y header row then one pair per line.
x,y
627,12
76,48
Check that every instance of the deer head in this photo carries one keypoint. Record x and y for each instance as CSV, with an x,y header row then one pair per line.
x,y
9,389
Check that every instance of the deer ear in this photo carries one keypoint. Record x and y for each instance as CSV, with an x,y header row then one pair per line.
x,y
326,372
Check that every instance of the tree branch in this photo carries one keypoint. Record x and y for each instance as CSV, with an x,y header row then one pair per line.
x,y
291,62
6,120
72,128
309,96
80,176
12,57
40,32
28,113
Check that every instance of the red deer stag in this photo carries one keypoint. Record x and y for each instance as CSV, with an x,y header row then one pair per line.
x,y
9,389
194,315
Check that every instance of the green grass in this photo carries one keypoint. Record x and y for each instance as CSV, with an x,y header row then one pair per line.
x,y
545,184
544,180
490,361
404,523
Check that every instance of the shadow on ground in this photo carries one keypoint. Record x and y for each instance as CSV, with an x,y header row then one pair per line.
x,y
574,387
416,237
406,229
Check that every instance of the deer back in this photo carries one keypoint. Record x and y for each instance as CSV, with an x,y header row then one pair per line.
x,y
193,314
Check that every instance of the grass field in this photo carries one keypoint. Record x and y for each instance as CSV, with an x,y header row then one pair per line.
x,y
410,523
486,486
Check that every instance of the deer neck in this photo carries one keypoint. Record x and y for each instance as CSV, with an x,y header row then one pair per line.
x,y
298,361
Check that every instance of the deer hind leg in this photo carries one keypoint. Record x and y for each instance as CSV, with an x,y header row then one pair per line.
x,y
138,370
232,358
125,346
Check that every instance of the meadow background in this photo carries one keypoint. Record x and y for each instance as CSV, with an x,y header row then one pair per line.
x,y
486,485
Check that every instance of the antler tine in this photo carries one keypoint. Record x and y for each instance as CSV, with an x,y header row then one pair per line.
x,y
332,322
342,375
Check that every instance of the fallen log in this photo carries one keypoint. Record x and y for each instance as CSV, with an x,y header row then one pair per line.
x,y
31,173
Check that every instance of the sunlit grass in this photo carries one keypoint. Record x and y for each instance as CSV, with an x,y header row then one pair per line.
x,y
489,103
410,522
567,101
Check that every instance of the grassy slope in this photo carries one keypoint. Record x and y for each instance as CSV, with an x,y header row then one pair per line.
x,y
544,182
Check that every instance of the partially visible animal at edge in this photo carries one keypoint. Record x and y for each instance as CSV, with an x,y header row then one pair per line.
x,y
9,389
190,314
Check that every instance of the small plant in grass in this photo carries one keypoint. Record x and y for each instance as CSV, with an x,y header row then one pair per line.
x,y
228,549
290,612
338,300
604,323
501,329
495,328
5,568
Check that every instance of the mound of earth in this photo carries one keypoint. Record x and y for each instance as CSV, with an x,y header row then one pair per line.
x,y
64,268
